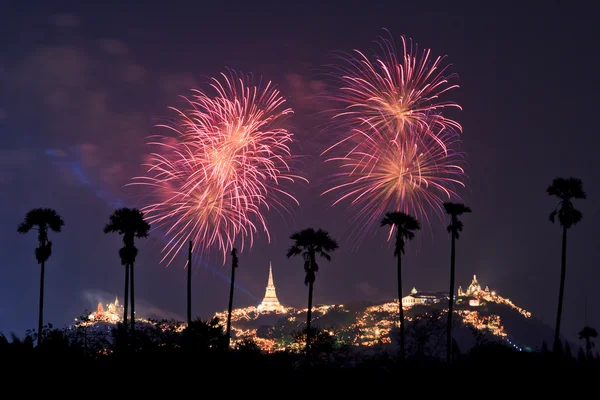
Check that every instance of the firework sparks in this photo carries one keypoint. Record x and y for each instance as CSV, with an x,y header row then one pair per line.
x,y
401,90
380,172
396,150
226,166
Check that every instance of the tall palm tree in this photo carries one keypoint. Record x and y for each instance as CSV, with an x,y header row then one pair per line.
x,y
42,219
311,243
234,265
587,333
566,189
189,286
405,226
130,223
455,227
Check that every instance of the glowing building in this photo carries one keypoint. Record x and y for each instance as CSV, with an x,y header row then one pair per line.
x,y
270,303
416,298
473,289
112,314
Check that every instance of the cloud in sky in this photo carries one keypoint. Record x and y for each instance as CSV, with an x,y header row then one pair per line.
x,y
66,20
114,47
12,162
305,92
91,105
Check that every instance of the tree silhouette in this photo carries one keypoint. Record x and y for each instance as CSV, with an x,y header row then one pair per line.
x,y
566,189
131,224
234,265
587,333
42,219
189,284
310,243
405,226
455,227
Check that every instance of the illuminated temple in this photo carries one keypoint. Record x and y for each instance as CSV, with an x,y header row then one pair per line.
x,y
270,303
473,289
112,314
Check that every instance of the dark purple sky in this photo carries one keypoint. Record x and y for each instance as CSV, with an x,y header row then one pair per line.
x,y
81,88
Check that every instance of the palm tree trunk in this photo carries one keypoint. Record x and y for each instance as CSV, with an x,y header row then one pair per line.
x,y
230,306
126,297
588,347
189,287
132,299
308,318
450,302
400,309
41,311
561,292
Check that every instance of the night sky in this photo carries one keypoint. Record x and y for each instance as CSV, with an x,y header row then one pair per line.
x,y
82,86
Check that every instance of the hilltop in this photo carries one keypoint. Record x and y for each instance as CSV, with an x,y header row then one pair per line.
x,y
481,316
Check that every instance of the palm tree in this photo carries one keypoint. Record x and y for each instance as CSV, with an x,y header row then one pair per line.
x,y
131,224
455,227
405,226
587,333
189,285
234,265
311,243
565,189
42,219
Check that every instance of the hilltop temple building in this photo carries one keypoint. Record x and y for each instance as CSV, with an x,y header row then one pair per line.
x,y
475,293
270,302
112,314
473,289
416,298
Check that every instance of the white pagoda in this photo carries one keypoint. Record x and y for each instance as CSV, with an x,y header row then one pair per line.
x,y
270,303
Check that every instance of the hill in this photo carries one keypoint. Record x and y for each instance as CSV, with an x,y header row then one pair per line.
x,y
481,315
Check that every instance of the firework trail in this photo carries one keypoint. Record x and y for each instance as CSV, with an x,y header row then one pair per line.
x,y
393,149
225,167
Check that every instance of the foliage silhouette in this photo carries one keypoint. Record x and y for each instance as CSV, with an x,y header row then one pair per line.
x,y
405,226
204,335
42,219
588,333
310,243
454,210
566,189
130,224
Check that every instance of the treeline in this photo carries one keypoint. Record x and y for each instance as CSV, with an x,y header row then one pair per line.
x,y
159,344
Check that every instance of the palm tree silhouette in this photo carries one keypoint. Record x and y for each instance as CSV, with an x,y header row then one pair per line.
x,y
311,243
405,226
131,224
587,333
455,227
189,285
234,265
566,189
42,219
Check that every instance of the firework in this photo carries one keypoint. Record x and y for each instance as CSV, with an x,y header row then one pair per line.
x,y
380,171
390,89
397,151
226,166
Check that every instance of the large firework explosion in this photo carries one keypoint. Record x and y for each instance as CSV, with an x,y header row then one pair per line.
x,y
390,88
225,167
394,149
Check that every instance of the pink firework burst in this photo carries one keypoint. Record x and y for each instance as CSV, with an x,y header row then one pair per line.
x,y
395,150
379,171
226,166
402,90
